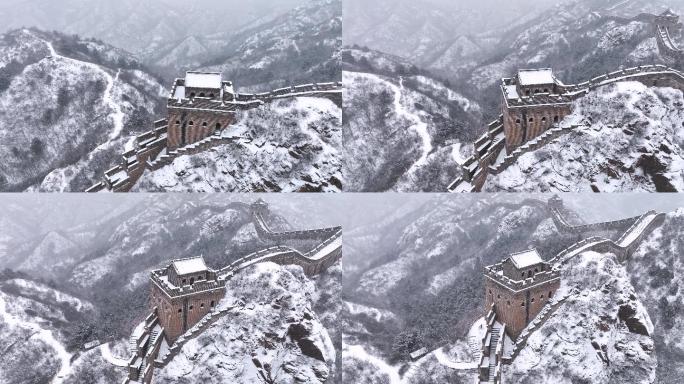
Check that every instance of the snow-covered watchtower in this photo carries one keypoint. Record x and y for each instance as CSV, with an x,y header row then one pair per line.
x,y
198,106
184,292
533,101
519,287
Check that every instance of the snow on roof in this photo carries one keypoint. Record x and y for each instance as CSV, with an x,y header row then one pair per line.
x,y
526,258
536,76
188,266
203,80
511,92
179,93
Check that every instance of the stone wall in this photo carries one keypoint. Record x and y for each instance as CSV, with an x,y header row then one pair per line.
x,y
524,124
188,126
176,137
516,308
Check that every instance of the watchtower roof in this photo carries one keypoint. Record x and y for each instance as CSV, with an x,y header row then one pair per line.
x,y
210,80
189,266
526,258
536,76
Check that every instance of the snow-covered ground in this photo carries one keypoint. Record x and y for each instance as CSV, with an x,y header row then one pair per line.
x,y
286,146
629,138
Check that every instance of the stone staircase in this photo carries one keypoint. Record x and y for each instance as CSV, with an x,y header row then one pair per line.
x,y
492,360
474,345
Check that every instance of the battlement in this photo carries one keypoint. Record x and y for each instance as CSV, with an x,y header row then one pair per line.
x,y
514,278
175,284
518,287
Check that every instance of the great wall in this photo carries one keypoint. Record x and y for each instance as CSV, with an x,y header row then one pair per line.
x,y
525,276
535,102
185,295
200,109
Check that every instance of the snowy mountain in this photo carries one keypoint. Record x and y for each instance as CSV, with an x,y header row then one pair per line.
x,y
579,39
400,126
290,145
629,138
619,321
300,46
143,28
62,297
281,338
72,104
423,31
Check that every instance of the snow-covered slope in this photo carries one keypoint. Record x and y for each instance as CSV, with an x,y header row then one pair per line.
x,y
656,271
69,106
600,334
36,328
290,145
90,281
425,289
279,339
630,138
400,130
299,46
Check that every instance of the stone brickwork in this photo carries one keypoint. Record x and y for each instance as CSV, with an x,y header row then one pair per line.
x,y
183,300
518,294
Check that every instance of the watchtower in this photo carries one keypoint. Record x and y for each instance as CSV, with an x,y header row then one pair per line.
x,y
519,287
667,19
184,292
533,101
260,207
555,202
199,105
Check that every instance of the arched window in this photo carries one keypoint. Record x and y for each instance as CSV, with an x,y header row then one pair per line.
x,y
543,119
184,281
542,296
527,92
522,304
211,95
177,122
201,305
508,302
546,90
191,307
192,94
192,280
517,121
180,310
192,123
532,300
201,94
536,270
498,296
523,275
204,124
218,126
531,119
550,294
555,119
212,303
